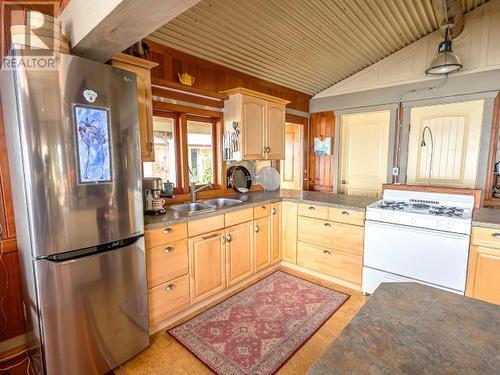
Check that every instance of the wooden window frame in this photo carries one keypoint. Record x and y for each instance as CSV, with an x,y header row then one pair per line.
x,y
181,115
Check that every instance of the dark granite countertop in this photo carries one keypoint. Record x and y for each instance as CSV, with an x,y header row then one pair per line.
x,y
257,198
409,328
486,217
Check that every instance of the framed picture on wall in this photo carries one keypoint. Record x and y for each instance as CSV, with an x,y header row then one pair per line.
x,y
323,146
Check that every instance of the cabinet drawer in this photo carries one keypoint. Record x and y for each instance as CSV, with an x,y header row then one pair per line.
x,y
486,237
166,234
166,262
238,217
330,262
168,299
346,216
309,210
338,236
209,224
261,211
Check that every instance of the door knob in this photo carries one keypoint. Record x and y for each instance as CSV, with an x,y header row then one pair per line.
x,y
344,182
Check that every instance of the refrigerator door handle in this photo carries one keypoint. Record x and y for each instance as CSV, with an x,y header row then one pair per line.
x,y
75,254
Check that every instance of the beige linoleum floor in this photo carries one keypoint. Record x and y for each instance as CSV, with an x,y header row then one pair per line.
x,y
167,356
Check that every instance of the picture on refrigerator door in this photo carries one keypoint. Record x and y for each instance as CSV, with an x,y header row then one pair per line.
x,y
93,144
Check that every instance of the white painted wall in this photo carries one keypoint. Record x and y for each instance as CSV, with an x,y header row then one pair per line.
x,y
478,48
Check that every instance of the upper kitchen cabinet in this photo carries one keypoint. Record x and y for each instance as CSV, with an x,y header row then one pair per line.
x,y
254,125
142,68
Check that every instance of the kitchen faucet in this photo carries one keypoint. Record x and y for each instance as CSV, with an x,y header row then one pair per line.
x,y
193,190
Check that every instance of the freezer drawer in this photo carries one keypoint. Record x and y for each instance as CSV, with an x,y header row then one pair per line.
x,y
94,310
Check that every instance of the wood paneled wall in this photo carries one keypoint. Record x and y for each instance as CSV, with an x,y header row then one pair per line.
x,y
321,166
213,77
12,323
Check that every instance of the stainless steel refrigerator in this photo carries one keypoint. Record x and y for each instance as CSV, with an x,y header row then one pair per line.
x,y
73,148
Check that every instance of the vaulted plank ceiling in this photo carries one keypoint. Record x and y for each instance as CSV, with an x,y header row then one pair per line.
x,y
306,45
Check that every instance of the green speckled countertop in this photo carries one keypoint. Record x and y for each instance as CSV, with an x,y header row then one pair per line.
x,y
486,217
410,328
258,198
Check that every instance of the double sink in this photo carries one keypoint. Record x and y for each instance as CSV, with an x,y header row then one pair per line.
x,y
201,207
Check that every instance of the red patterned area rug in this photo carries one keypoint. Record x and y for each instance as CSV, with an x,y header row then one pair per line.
x,y
257,330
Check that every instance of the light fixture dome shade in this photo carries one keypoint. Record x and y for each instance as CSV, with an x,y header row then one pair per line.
x,y
445,61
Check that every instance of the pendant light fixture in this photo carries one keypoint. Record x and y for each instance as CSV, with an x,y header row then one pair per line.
x,y
445,61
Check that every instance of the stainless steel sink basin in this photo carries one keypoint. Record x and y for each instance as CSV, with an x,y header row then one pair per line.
x,y
193,208
223,202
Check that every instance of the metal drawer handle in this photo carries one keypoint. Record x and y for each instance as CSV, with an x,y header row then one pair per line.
x,y
345,213
274,211
327,252
312,208
167,230
169,287
328,225
210,236
229,238
496,235
257,229
168,249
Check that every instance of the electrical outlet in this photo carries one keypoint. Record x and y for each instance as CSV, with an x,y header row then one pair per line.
x,y
395,171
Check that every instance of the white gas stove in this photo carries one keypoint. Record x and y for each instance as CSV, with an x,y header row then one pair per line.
x,y
418,236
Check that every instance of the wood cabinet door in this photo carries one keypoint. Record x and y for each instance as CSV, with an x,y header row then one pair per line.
x,y
289,217
275,131
253,117
262,243
239,252
276,232
207,265
144,100
483,281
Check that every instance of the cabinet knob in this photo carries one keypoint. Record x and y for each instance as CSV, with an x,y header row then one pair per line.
x,y
327,252
328,225
274,211
312,207
167,230
257,229
496,235
169,287
168,249
229,238
345,213
151,146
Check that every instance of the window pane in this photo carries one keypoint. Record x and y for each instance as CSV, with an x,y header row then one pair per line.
x,y
164,165
200,152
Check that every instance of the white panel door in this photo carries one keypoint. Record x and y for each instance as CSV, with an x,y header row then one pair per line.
x,y
444,144
291,167
364,153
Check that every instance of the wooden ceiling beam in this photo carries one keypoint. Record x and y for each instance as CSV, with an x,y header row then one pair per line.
x,y
101,29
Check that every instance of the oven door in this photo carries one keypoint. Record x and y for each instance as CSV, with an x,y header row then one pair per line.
x,y
431,256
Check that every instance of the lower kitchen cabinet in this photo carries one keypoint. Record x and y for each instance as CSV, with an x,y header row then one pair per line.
x,y
168,299
239,252
289,212
166,262
485,263
207,266
330,262
262,243
276,232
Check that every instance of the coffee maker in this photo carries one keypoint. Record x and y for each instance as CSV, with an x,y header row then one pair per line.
x,y
152,201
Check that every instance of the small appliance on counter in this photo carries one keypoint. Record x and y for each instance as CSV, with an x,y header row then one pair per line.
x,y
153,203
